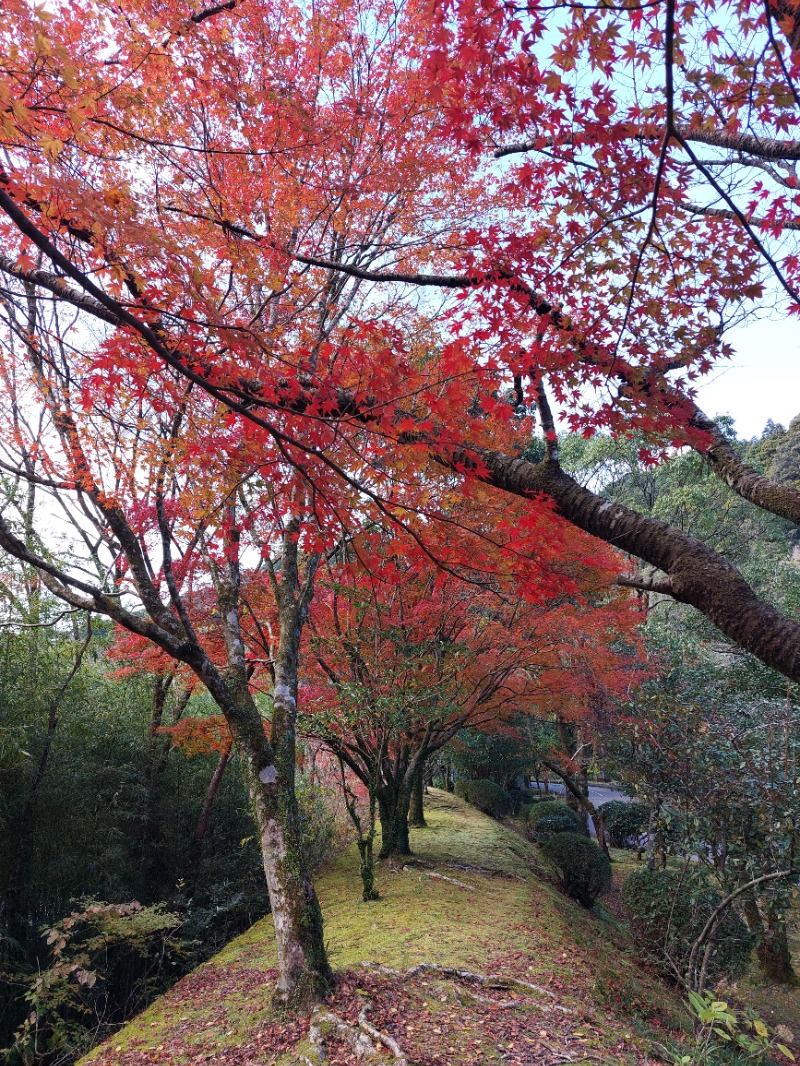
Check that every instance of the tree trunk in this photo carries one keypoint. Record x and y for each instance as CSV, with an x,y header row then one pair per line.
x,y
656,850
417,815
204,818
774,955
304,974
772,951
393,804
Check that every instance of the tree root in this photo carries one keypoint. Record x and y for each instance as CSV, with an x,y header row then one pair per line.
x,y
465,867
468,995
441,877
362,1039
492,981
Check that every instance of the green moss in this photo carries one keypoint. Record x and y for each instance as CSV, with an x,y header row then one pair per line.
x,y
507,915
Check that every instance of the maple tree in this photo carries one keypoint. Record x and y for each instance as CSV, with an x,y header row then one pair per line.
x,y
407,656
158,550
197,180
264,263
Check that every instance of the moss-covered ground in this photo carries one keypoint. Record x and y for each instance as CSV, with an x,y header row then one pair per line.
x,y
475,896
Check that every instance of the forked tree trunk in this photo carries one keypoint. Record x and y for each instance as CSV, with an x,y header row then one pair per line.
x,y
304,974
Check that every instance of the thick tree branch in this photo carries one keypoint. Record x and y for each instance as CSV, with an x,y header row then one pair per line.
x,y
58,286
698,575
661,585
210,12
724,212
770,148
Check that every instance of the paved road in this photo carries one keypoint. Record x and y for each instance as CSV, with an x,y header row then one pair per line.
x,y
597,794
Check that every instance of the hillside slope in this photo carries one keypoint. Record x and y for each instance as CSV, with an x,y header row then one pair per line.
x,y
473,898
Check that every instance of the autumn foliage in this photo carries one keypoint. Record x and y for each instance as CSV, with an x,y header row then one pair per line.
x,y
280,275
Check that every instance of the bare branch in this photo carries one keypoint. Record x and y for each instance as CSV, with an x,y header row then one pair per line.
x,y
210,12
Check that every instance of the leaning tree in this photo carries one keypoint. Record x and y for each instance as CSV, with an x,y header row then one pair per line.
x,y
349,258
565,206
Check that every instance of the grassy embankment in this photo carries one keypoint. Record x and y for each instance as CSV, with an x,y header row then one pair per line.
x,y
476,896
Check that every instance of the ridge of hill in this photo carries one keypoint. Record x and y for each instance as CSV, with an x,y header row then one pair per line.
x,y
470,957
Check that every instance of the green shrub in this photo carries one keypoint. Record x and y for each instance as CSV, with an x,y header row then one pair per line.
x,y
488,797
625,822
668,910
317,822
107,962
521,797
461,788
585,870
552,809
547,827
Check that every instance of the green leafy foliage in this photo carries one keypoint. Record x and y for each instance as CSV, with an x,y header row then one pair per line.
x,y
625,823
107,961
551,808
488,797
547,827
720,1029
585,870
668,911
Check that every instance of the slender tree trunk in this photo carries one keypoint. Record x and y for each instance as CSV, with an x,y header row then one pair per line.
x,y
366,837
204,818
656,851
417,814
155,859
578,793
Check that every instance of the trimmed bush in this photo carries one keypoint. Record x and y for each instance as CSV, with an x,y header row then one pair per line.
x,y
625,822
521,797
668,910
488,797
552,809
585,870
460,788
547,827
